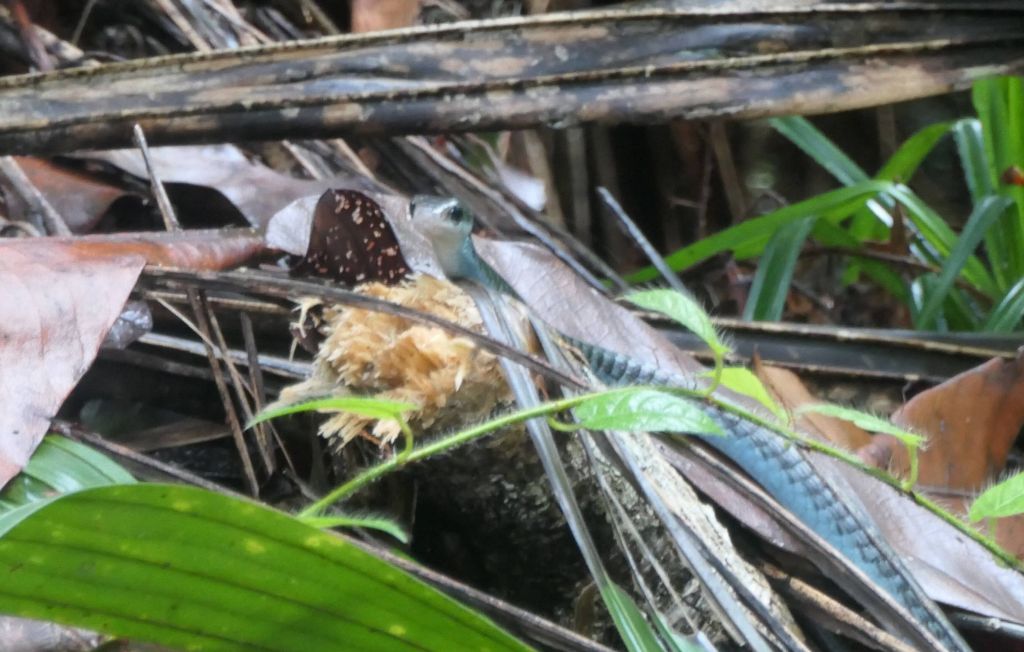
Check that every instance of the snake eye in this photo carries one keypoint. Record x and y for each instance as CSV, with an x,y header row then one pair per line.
x,y
459,216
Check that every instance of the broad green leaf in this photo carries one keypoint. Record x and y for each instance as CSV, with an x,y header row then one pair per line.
x,y
646,410
380,523
749,237
1001,500
985,214
1007,315
60,465
774,273
683,309
195,570
636,632
366,406
744,381
865,421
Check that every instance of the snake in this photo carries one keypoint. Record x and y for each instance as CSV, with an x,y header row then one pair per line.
x,y
765,455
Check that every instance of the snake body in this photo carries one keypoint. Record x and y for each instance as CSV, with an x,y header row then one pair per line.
x,y
771,460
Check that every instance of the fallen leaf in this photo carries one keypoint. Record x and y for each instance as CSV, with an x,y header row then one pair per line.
x,y
194,250
258,192
793,394
971,421
78,197
56,304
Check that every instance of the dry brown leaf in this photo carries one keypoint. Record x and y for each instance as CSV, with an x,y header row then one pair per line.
x,y
792,394
56,304
79,198
257,191
971,421
194,250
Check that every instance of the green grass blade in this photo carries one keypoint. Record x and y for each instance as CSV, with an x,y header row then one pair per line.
x,y
1000,104
638,634
872,220
941,239
904,162
978,224
775,272
191,569
970,146
817,145
750,237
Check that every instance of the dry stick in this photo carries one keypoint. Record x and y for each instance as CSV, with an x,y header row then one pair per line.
x,y
855,626
579,184
199,307
285,288
644,244
280,367
727,170
197,299
261,442
265,429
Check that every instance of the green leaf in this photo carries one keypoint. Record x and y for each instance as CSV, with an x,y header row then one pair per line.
x,y
744,381
683,309
999,103
380,523
865,421
940,238
60,465
820,148
636,632
981,220
904,162
194,570
1007,315
645,410
1001,500
970,145
770,287
749,237
366,406
675,641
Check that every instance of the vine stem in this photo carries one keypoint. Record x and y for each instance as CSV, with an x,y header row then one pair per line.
x,y
444,444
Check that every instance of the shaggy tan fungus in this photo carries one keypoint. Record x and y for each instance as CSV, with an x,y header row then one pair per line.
x,y
372,353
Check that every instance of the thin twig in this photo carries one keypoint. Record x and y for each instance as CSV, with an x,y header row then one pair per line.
x,y
645,245
201,310
52,221
285,288
75,432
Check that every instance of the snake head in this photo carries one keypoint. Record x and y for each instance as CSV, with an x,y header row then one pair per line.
x,y
448,226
